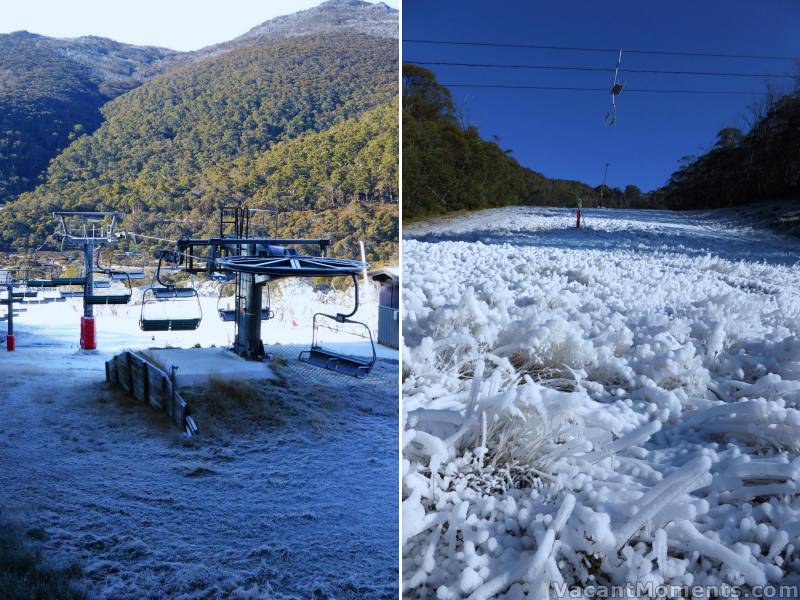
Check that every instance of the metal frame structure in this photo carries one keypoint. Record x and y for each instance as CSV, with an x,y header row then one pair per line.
x,y
212,256
251,263
93,230
254,263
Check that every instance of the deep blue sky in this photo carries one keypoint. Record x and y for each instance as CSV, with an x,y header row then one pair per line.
x,y
562,134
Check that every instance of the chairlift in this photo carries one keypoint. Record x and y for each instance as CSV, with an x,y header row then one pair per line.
x,y
229,314
124,274
134,272
346,364
165,293
226,314
616,90
108,298
36,275
53,281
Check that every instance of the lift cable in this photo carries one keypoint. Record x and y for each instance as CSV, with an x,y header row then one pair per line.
x,y
604,50
601,69
602,89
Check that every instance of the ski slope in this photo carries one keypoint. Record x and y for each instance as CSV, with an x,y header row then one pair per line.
x,y
293,498
606,406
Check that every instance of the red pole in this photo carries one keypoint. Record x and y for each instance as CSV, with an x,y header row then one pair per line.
x,y
88,340
10,341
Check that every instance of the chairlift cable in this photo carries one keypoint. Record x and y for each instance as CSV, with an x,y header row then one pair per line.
x,y
604,50
601,69
601,89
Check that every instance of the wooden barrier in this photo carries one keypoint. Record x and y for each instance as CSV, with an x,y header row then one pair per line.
x,y
151,385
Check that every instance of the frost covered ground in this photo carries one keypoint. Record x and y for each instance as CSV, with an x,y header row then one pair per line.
x,y
292,497
597,407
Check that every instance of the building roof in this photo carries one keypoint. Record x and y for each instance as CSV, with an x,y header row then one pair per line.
x,y
386,274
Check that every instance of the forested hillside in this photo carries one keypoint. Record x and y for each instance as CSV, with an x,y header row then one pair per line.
x,y
448,167
762,164
51,91
305,123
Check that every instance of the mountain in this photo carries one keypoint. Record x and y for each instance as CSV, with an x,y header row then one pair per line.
x,y
51,91
354,16
298,115
238,126
448,167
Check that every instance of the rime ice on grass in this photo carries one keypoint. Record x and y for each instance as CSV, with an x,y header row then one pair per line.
x,y
643,372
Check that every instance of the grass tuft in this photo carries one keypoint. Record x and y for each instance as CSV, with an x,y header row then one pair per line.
x,y
25,576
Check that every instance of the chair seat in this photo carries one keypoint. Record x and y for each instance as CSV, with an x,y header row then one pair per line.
x,y
41,283
340,363
169,324
108,299
227,314
162,293
125,275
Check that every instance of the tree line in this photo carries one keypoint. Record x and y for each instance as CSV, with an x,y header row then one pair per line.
x,y
306,125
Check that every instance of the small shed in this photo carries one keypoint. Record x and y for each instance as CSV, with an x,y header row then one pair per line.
x,y
388,305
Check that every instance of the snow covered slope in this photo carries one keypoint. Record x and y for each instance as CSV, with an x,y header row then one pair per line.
x,y
609,405
295,497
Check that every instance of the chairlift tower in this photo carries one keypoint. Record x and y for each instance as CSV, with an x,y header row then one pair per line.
x,y
234,242
91,230
254,262
10,282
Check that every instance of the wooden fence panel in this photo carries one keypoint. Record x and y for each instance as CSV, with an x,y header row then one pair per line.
x,y
150,384
139,392
156,396
123,371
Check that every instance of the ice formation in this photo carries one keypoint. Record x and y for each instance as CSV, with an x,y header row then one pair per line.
x,y
601,406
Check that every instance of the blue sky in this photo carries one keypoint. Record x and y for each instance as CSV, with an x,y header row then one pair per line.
x,y
176,24
562,134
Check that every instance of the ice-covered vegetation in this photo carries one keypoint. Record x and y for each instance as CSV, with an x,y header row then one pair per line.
x,y
603,406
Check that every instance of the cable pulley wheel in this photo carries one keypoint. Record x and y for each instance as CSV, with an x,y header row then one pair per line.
x,y
292,266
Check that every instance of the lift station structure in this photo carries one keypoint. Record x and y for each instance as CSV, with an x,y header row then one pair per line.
x,y
234,256
252,263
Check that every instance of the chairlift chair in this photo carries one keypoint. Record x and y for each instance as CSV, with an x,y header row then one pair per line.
x,y
616,90
117,274
229,314
135,273
346,364
123,298
62,280
163,292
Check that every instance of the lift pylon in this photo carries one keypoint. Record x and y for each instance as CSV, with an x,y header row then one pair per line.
x,y
91,230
